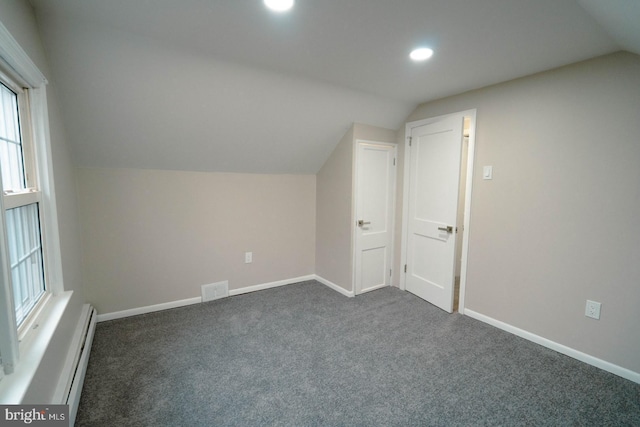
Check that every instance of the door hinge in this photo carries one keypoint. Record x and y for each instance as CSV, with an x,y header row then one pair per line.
x,y
410,140
405,268
394,161
390,272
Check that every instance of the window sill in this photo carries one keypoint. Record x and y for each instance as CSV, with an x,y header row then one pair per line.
x,y
33,347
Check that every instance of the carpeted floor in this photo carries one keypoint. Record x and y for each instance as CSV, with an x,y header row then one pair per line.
x,y
304,355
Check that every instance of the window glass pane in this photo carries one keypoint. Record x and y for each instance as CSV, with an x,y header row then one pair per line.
x,y
25,254
11,157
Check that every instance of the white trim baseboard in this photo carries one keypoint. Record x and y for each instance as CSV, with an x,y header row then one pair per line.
x,y
333,286
148,309
269,285
560,348
196,300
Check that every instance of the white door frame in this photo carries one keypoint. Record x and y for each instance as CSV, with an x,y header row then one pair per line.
x,y
467,202
354,226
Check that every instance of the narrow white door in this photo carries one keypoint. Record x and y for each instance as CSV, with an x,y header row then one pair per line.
x,y
375,190
435,154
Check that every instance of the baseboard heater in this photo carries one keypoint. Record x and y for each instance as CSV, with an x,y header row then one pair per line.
x,y
76,366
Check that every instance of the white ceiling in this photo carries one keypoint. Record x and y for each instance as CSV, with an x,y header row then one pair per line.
x,y
620,18
225,85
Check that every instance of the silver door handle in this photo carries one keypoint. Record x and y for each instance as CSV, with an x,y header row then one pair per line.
x,y
448,229
362,223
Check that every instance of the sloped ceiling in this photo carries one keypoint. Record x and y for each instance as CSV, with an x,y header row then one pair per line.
x,y
620,18
220,85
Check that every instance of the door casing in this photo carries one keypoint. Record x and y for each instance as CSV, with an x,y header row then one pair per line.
x,y
467,204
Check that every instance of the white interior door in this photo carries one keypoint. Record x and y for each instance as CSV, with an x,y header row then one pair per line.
x,y
435,154
375,191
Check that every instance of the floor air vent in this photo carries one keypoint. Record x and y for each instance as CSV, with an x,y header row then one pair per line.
x,y
215,291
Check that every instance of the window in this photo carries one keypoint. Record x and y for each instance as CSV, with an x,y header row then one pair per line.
x,y
30,261
25,252
11,154
23,218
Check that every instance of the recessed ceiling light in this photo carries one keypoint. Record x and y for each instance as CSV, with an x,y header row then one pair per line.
x,y
421,54
279,5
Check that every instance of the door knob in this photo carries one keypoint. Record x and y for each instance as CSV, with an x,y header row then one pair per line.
x,y
362,223
448,229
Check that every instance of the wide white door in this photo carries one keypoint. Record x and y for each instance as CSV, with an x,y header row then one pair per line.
x,y
375,190
435,154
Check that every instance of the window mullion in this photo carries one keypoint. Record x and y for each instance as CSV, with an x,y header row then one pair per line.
x,y
27,255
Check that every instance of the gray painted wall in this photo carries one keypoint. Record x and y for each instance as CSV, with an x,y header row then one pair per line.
x,y
152,237
334,186
335,204
558,224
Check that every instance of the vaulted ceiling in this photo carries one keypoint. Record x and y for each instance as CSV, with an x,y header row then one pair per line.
x,y
226,85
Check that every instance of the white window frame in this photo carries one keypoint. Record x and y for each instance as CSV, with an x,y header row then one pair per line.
x,y
21,70
31,194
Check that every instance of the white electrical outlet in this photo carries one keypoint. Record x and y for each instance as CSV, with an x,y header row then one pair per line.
x,y
593,309
248,257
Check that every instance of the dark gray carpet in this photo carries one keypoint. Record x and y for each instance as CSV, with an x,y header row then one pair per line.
x,y
304,355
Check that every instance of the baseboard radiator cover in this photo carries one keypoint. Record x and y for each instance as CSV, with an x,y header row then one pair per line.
x,y
77,362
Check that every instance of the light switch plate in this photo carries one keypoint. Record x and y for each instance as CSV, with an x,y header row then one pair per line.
x,y
487,172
